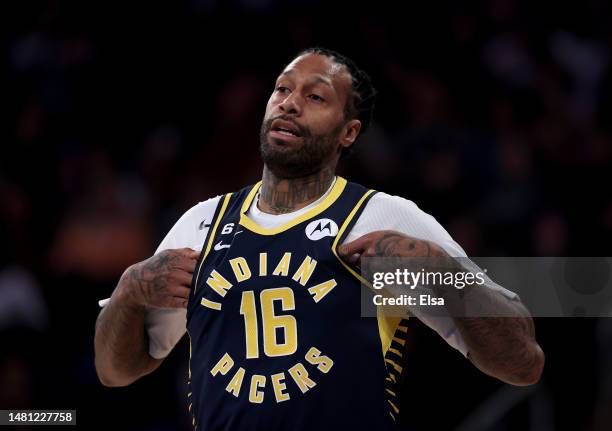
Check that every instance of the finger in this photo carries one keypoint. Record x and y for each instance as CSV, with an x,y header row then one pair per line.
x,y
194,254
189,253
353,258
176,302
179,292
185,264
182,278
369,252
357,246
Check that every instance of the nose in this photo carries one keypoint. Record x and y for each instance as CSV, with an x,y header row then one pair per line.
x,y
290,105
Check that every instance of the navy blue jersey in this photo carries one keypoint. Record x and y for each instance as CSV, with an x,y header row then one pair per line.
x,y
276,337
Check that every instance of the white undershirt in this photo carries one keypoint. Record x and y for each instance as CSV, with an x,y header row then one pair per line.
x,y
165,327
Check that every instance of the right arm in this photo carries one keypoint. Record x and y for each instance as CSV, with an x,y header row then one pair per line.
x,y
121,342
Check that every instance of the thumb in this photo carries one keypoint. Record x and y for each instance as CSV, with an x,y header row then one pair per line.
x,y
190,253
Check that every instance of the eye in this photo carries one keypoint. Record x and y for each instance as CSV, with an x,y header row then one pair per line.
x,y
316,98
281,89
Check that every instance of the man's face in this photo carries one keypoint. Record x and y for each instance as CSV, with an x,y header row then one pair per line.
x,y
304,126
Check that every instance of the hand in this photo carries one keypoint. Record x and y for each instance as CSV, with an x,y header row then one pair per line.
x,y
162,281
388,243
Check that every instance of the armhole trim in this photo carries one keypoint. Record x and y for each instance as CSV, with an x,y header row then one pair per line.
x,y
387,325
211,237
343,231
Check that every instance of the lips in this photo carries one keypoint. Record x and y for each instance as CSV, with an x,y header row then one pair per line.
x,y
285,128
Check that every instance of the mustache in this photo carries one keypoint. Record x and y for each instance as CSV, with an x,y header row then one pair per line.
x,y
304,132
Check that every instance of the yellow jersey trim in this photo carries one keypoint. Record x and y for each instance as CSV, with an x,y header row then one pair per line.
x,y
189,395
386,324
394,407
341,232
211,237
245,221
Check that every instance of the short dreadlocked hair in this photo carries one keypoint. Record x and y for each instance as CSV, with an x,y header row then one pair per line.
x,y
360,103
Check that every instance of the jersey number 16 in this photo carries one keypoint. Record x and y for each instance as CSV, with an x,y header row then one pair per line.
x,y
271,322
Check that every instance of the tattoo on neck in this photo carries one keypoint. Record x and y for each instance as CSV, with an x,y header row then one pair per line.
x,y
283,195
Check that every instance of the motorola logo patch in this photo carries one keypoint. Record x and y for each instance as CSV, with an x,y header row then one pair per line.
x,y
321,228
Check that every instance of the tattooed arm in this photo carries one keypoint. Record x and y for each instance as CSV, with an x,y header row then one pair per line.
x,y
502,347
121,344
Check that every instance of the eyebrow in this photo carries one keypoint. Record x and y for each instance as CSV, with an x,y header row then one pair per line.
x,y
317,78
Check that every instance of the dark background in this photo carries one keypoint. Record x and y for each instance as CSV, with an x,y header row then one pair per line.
x,y
494,117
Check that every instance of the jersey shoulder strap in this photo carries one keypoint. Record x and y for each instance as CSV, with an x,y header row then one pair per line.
x,y
228,203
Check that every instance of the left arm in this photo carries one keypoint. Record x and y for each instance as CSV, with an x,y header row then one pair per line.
x,y
502,347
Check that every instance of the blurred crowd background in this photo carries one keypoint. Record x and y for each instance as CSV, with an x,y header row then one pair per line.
x,y
494,116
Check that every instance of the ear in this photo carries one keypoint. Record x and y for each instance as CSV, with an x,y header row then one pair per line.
x,y
350,133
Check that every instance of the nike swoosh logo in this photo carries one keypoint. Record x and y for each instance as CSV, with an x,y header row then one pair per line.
x,y
219,246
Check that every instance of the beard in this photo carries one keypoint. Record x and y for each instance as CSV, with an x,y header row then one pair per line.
x,y
286,161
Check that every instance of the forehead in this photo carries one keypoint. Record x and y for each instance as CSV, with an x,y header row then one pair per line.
x,y
317,67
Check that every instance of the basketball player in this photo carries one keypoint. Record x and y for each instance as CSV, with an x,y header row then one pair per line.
x,y
263,280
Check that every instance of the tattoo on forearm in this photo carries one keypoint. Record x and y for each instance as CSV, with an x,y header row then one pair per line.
x,y
151,277
117,328
502,343
121,340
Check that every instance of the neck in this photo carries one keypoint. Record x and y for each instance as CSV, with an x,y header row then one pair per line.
x,y
284,195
